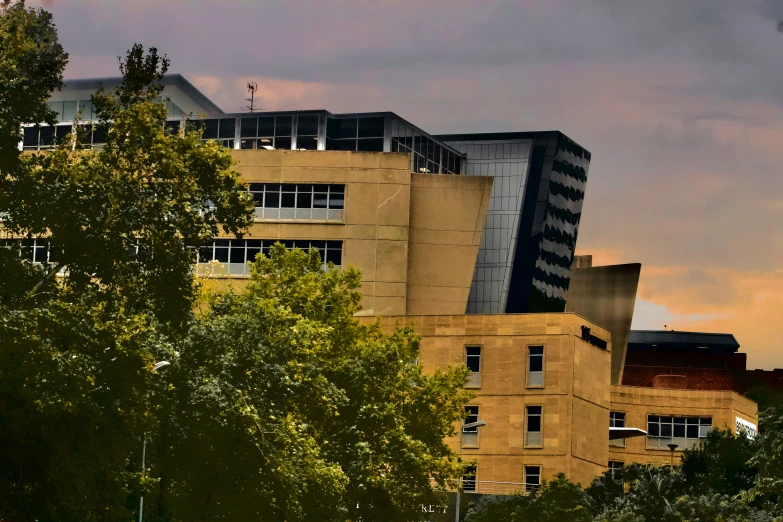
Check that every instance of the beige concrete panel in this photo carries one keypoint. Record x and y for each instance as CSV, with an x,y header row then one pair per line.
x,y
385,305
393,204
260,174
438,237
393,233
361,204
258,158
361,231
390,289
392,261
313,175
395,176
395,161
290,230
441,265
606,295
361,254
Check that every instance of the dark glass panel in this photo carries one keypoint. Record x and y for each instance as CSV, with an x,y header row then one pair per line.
x,y
666,430
30,137
172,128
341,145
340,128
370,145
533,423
227,128
47,136
283,143
679,430
272,199
248,127
536,363
371,127
304,199
266,126
237,251
307,143
307,126
283,127
534,410
210,130
287,200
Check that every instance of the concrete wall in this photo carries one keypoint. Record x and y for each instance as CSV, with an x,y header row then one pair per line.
x,y
414,236
637,403
606,295
574,399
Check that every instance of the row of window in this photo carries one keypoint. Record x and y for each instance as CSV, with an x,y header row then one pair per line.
x,y
220,257
470,484
298,201
230,257
281,132
535,366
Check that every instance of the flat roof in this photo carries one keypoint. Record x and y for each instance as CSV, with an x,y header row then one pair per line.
x,y
501,136
682,340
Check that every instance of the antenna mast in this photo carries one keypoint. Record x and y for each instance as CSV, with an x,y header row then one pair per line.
x,y
252,88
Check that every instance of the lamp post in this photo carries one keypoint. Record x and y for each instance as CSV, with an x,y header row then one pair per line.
x,y
158,366
672,447
469,425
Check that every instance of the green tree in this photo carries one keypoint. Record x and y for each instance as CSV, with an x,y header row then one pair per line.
x,y
31,66
768,458
79,336
556,500
719,464
287,408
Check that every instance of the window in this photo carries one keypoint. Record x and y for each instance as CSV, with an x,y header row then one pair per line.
x,y
473,362
37,250
307,132
535,366
685,432
469,480
617,420
298,201
229,257
615,466
470,435
532,477
222,130
355,134
533,426
265,132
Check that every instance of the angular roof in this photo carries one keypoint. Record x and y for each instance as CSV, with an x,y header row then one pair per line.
x,y
673,339
176,81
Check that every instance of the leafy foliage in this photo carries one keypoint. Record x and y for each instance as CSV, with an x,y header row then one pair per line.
x,y
554,501
720,464
288,407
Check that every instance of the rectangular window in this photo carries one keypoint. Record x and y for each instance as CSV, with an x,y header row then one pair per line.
x,y
229,257
533,419
615,466
617,420
470,435
298,201
532,477
469,480
685,432
473,362
535,366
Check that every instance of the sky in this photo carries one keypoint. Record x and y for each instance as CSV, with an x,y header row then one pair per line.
x,y
679,101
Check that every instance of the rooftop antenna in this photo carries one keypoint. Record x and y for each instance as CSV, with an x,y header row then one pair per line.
x,y
252,88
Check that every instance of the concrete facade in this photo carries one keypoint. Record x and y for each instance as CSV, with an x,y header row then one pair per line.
x,y
414,236
574,397
607,295
723,407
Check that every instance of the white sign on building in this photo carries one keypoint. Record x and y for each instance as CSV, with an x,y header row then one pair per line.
x,y
750,429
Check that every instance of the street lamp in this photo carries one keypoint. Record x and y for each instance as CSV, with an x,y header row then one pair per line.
x,y
158,366
672,447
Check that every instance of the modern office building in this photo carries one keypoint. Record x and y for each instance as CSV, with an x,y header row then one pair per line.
x,y
535,207
533,218
440,226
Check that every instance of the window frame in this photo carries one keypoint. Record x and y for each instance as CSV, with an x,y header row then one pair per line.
x,y
690,442
543,367
526,444
528,486
617,443
475,377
